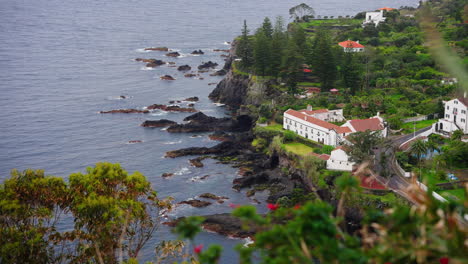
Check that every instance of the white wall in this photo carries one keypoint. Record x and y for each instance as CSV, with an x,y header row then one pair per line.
x,y
308,130
339,160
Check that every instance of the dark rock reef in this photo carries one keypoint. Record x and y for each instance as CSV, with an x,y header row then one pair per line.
x,y
200,122
171,108
196,203
173,54
158,49
198,52
167,78
125,111
184,68
207,65
158,123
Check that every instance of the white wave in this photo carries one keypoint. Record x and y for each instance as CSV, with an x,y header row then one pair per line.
x,y
206,110
172,142
158,113
182,171
247,241
195,136
142,50
226,43
164,129
117,97
144,68
219,104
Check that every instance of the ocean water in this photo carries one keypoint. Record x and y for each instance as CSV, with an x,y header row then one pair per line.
x,y
61,62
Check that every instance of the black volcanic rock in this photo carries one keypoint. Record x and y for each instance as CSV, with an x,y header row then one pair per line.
x,y
184,68
158,123
198,52
207,65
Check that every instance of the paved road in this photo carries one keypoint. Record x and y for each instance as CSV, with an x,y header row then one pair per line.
x,y
394,180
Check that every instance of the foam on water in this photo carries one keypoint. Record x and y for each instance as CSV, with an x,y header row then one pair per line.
x,y
142,50
172,142
182,171
144,68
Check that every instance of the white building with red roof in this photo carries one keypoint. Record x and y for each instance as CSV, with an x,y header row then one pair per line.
x,y
455,117
351,46
314,125
374,18
375,123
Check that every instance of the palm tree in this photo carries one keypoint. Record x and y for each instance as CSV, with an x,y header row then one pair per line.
x,y
418,148
457,135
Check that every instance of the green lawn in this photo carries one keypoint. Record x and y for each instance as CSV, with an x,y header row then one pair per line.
x,y
430,178
298,148
331,22
274,127
408,127
459,193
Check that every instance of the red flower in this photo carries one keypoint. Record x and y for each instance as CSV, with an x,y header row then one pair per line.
x,y
198,249
234,205
444,260
297,207
272,207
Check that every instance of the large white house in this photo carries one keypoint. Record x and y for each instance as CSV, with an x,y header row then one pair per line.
x,y
315,125
374,17
313,128
455,117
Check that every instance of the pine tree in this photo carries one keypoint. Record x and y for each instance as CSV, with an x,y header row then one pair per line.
x,y
278,45
262,53
323,60
292,65
351,72
298,34
267,28
244,48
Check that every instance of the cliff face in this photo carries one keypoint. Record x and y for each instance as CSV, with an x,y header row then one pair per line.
x,y
239,89
232,90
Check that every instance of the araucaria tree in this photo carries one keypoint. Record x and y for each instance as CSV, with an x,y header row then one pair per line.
x,y
244,48
324,60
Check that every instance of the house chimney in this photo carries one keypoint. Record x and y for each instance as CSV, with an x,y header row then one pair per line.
x,y
464,95
378,113
309,107
305,117
357,41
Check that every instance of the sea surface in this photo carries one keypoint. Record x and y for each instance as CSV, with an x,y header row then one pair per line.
x,y
61,62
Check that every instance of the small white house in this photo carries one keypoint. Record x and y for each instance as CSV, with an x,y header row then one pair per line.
x,y
455,117
374,17
339,160
351,46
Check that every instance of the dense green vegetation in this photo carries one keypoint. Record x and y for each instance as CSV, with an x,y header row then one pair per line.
x,y
396,75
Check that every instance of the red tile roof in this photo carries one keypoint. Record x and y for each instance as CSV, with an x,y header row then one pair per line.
x,y
387,8
307,70
320,156
344,129
312,120
318,111
362,125
350,44
371,183
463,100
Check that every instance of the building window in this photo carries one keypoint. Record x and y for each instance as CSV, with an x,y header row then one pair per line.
x,y
463,120
463,112
447,116
456,102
